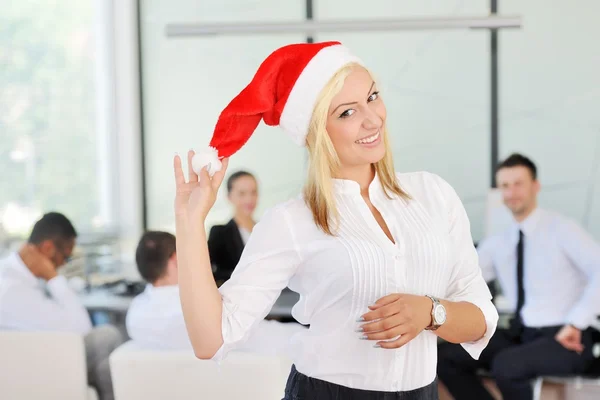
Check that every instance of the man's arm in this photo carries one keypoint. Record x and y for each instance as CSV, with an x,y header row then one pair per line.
x,y
485,250
584,252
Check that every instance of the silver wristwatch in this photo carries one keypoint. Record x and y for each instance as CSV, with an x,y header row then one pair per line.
x,y
438,314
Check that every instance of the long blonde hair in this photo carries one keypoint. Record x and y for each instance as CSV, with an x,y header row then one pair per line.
x,y
324,162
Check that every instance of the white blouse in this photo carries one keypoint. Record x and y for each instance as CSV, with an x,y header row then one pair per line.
x,y
245,234
338,277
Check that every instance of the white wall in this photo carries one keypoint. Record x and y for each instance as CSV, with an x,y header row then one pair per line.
x,y
550,96
435,84
187,82
436,89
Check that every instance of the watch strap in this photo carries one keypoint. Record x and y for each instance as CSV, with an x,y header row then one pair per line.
x,y
433,326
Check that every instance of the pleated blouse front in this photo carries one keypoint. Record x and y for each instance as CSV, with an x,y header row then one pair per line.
x,y
339,276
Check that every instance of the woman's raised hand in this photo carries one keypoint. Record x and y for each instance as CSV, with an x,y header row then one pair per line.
x,y
195,197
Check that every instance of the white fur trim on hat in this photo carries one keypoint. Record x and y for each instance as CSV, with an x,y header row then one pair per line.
x,y
208,158
298,109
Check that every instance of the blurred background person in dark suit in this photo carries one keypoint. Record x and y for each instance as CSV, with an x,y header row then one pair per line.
x,y
226,242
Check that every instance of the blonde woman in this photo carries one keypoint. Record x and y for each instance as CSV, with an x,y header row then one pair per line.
x,y
383,261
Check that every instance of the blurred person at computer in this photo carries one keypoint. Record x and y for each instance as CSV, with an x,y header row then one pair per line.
x,y
155,318
548,268
226,242
34,297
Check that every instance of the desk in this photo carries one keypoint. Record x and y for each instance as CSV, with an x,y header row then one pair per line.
x,y
283,305
106,301
502,305
505,311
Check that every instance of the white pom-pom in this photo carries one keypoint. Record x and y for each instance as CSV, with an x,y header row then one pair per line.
x,y
209,158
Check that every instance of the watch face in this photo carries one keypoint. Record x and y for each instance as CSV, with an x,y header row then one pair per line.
x,y
440,315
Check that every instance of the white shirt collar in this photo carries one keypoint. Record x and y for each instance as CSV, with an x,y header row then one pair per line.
x,y
350,187
162,289
529,224
18,265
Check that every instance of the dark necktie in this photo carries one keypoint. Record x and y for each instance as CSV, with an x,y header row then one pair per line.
x,y
520,288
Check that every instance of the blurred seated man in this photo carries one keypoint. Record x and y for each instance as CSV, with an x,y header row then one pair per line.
x,y
155,319
33,297
548,268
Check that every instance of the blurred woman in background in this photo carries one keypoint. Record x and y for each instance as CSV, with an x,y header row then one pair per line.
x,y
226,242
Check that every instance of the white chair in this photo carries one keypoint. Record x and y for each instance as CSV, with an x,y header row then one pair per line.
x,y
140,374
43,365
576,381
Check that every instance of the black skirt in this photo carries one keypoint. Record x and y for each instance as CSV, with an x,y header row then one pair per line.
x,y
302,387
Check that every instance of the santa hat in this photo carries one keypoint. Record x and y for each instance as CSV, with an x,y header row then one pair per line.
x,y
283,92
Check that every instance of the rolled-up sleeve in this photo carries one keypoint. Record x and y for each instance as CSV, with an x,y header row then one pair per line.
x,y
269,260
466,282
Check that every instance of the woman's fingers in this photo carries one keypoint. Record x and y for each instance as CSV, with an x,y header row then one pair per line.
x,y
179,178
390,298
218,176
204,177
383,311
388,333
193,177
383,324
395,344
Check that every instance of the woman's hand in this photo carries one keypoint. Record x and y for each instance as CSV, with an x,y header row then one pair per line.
x,y
401,316
195,198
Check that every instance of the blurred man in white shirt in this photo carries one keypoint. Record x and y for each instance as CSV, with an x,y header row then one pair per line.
x,y
155,319
548,268
33,297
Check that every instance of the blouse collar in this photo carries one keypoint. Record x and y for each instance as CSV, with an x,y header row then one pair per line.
x,y
350,187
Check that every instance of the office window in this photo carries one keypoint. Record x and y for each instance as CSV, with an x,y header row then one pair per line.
x,y
55,115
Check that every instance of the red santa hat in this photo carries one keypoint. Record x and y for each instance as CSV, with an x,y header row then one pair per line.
x,y
283,92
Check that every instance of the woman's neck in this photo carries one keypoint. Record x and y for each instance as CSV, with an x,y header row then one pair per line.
x,y
363,175
245,221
